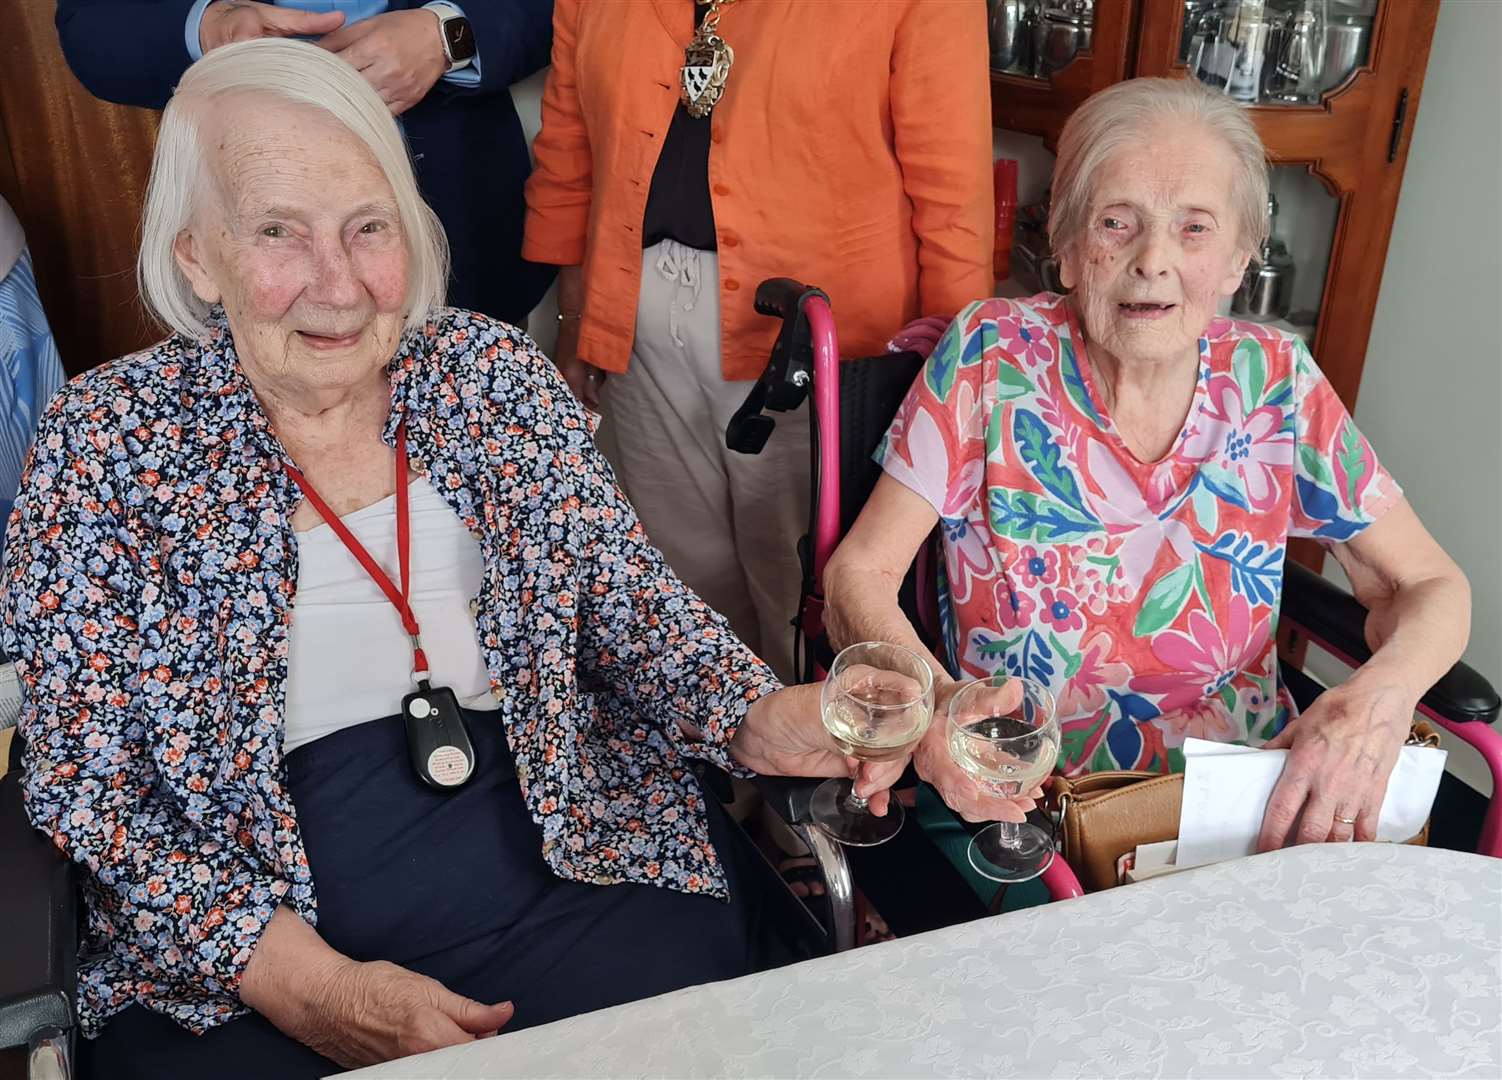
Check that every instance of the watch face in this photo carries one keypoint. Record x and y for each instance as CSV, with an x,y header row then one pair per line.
x,y
460,38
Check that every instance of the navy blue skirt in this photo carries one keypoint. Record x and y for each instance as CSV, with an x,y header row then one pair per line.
x,y
453,885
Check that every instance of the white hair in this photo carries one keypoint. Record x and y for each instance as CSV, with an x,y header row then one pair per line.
x,y
304,74
1122,116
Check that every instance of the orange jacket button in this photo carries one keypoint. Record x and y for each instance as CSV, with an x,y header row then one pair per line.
x,y
730,284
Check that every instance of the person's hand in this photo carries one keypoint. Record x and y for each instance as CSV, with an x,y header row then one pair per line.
x,y
355,1013
226,21
367,1013
920,335
1340,755
400,53
583,378
783,735
961,792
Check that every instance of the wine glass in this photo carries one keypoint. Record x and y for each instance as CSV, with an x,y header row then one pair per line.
x,y
1004,732
877,703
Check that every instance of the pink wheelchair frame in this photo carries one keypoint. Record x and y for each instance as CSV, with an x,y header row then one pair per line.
x,y
787,299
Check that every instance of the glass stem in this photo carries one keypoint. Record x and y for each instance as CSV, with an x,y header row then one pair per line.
x,y
1009,833
854,803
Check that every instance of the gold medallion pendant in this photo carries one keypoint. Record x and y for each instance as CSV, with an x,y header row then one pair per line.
x,y
706,64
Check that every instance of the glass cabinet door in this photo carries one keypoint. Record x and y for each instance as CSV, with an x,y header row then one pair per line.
x,y
1276,52
1047,56
1035,38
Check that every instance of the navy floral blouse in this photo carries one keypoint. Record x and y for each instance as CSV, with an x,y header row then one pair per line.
x,y
149,581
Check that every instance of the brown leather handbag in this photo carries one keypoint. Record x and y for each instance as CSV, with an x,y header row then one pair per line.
x,y
1104,815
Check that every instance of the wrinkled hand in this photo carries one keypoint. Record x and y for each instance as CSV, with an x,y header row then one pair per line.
x,y
960,792
784,736
1340,755
583,378
227,21
920,335
400,53
363,1014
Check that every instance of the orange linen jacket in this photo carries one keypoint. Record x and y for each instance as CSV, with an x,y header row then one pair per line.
x,y
851,150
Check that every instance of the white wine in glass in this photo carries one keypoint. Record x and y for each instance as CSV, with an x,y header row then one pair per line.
x,y
877,703
1004,732
979,747
855,720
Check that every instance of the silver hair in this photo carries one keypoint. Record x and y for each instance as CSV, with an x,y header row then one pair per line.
x,y
1120,116
298,72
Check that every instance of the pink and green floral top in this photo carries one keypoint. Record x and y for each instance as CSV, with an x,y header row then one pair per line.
x,y
1145,595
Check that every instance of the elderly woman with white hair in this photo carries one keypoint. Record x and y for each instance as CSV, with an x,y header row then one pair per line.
x,y
1117,473
351,681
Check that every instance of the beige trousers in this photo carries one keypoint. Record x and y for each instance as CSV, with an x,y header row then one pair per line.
x,y
727,523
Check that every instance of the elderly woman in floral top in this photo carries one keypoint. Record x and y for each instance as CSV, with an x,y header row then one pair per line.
x,y
351,679
1117,473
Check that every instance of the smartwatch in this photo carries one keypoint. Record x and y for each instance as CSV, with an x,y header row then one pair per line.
x,y
458,38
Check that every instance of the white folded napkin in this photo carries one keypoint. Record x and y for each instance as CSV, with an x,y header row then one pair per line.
x,y
1227,788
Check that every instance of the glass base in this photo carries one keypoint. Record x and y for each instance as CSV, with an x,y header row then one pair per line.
x,y
831,811
1021,859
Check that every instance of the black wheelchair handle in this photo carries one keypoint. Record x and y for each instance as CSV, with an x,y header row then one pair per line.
x,y
782,297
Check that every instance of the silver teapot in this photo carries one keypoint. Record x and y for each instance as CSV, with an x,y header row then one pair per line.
x,y
1266,291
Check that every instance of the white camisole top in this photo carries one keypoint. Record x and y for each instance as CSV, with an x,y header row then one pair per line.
x,y
349,659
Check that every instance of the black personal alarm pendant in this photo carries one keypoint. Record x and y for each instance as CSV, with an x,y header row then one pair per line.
x,y
437,739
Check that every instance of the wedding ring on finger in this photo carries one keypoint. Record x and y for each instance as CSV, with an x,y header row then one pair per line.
x,y
1344,830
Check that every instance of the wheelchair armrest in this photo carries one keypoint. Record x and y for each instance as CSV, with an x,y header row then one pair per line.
x,y
1336,620
39,921
788,796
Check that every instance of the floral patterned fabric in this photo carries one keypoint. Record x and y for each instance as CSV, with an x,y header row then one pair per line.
x,y
1145,595
149,581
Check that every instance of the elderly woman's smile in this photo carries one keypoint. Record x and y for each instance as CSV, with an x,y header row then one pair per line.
x,y
319,341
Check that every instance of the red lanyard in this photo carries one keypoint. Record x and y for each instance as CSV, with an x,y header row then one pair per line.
x,y
373,568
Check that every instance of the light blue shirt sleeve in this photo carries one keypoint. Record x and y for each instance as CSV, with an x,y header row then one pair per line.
x,y
469,75
190,29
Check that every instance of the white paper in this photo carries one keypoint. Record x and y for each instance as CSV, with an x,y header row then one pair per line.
x,y
1227,788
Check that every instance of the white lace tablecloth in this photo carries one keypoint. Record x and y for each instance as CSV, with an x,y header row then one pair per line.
x,y
1333,960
